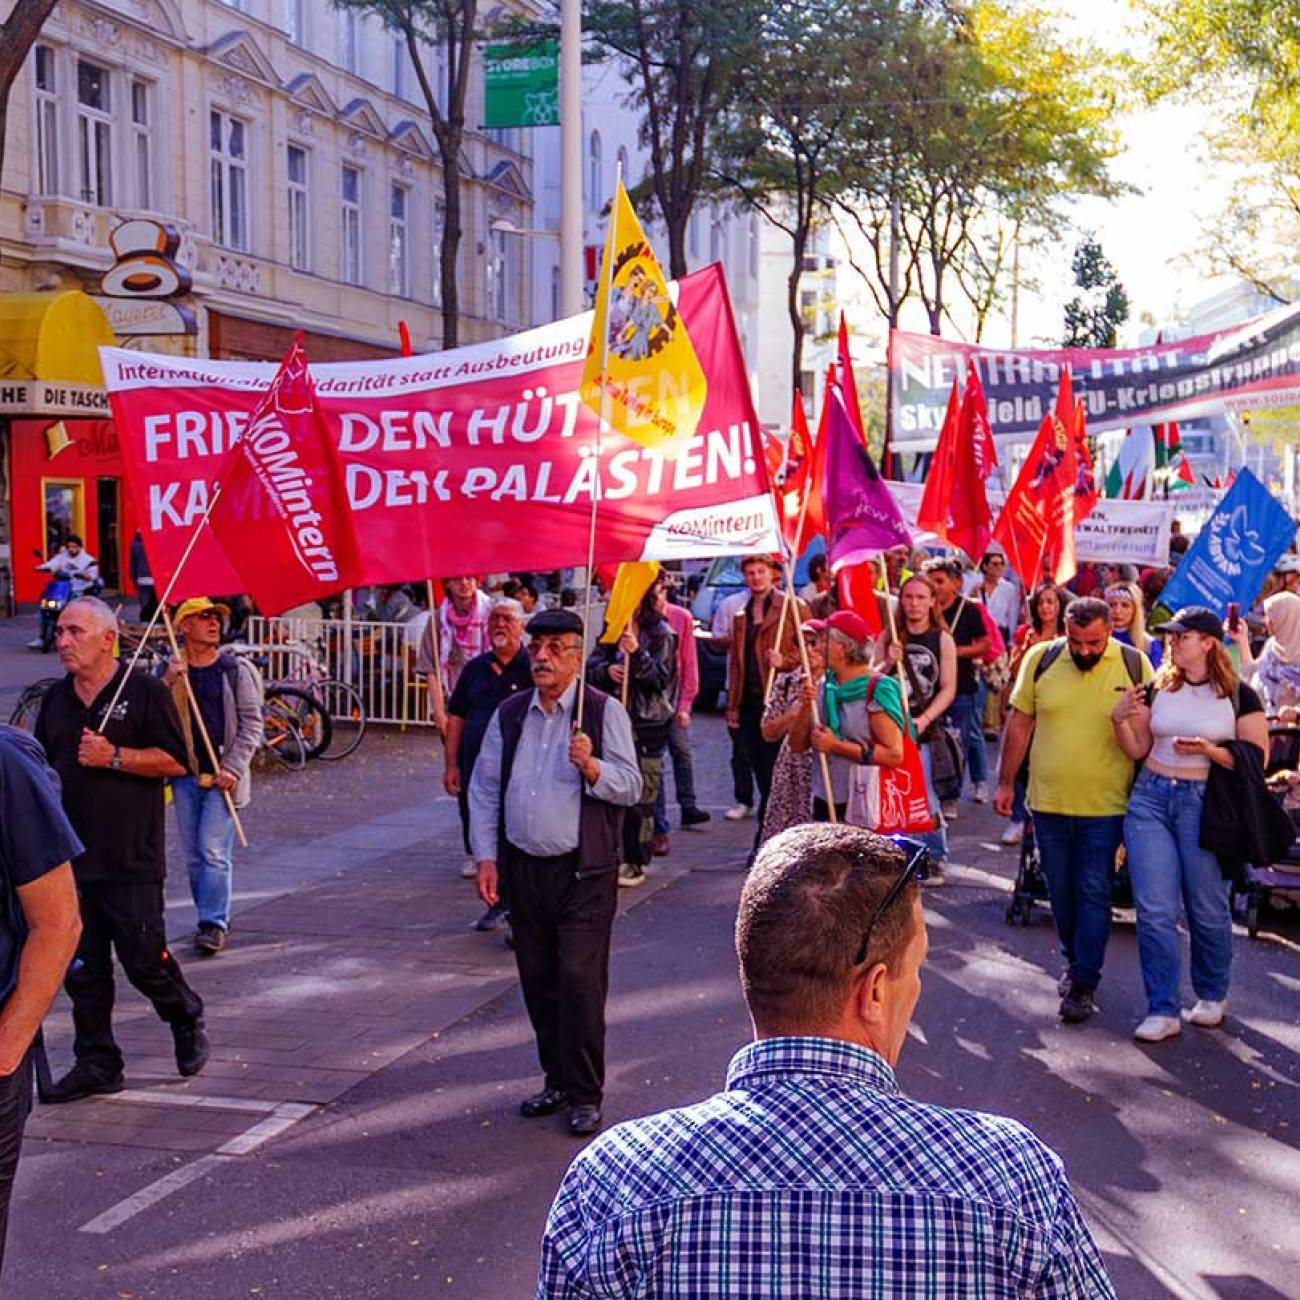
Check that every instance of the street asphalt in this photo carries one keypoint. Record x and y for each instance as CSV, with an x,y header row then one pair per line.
x,y
356,1133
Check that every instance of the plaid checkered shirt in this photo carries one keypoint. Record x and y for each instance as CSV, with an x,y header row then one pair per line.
x,y
812,1176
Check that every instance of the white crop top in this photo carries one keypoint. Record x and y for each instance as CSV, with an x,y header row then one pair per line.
x,y
1189,711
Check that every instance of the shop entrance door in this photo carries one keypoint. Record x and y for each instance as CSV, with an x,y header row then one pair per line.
x,y
107,515
62,512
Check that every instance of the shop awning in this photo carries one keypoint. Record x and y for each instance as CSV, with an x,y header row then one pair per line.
x,y
52,336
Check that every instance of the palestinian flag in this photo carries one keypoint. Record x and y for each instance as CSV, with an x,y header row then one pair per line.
x,y
1183,476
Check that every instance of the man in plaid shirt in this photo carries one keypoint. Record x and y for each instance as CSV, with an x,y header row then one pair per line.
x,y
811,1175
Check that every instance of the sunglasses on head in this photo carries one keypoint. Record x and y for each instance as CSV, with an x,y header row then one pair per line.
x,y
917,868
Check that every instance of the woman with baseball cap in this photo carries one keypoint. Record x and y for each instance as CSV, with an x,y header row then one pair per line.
x,y
1177,732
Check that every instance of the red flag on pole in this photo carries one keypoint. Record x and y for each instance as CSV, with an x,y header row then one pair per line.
x,y
1085,493
954,505
282,517
1037,522
805,482
848,383
981,430
936,499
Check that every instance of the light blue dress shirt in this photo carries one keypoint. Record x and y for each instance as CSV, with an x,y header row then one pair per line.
x,y
544,800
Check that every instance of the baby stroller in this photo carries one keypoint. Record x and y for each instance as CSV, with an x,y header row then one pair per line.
x,y
1255,886
1031,884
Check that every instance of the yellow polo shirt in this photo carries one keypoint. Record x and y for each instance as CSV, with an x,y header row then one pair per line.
x,y
1075,766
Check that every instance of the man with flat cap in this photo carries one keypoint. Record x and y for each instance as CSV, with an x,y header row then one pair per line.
x,y
546,827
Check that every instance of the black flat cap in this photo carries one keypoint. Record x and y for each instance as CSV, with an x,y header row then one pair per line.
x,y
554,622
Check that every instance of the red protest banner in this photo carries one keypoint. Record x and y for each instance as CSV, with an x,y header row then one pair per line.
x,y
282,516
464,461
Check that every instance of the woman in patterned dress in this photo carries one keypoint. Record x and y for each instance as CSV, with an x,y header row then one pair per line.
x,y
790,801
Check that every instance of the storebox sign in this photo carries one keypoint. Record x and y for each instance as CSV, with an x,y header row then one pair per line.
x,y
521,85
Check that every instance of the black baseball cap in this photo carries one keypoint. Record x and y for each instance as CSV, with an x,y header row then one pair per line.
x,y
554,622
1193,618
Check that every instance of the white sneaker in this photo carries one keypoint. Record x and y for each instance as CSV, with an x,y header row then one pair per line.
x,y
739,812
949,809
1208,1015
981,794
470,870
1014,833
1155,1029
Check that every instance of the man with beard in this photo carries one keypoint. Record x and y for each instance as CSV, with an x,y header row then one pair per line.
x,y
1079,781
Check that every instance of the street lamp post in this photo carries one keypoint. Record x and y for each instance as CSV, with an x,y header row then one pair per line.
x,y
571,277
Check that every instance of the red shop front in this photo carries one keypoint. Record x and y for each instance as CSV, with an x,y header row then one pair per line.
x,y
65,476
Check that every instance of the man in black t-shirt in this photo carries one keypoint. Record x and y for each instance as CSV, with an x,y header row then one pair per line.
x,y
484,682
963,619
38,924
113,795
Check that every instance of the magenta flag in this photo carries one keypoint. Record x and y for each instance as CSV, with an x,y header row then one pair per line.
x,y
861,514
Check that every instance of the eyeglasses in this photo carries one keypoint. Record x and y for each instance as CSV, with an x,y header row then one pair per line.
x,y
552,646
918,868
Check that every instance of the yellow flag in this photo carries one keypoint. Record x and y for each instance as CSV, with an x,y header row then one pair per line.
x,y
634,579
642,374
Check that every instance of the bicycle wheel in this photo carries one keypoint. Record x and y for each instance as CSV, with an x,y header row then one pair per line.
x,y
282,739
29,704
313,719
347,711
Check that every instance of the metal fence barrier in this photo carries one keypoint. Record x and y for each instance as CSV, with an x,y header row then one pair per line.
x,y
379,659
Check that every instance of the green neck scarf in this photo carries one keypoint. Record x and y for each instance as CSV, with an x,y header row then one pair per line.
x,y
886,693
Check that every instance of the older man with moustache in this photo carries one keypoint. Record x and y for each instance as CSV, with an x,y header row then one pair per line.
x,y
547,801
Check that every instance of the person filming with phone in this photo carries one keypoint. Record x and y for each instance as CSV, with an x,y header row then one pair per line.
x,y
1177,730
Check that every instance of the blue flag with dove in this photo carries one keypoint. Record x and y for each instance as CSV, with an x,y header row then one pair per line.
x,y
1234,552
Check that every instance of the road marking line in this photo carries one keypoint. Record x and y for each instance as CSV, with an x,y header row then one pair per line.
x,y
282,1116
194,1099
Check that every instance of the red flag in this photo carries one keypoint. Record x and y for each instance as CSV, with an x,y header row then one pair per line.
x,y
954,505
856,584
848,384
282,517
981,430
936,499
805,480
1185,472
1037,522
1085,491
773,457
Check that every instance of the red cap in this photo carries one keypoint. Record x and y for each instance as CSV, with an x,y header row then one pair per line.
x,y
815,625
851,624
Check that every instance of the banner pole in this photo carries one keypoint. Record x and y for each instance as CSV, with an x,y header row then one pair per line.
x,y
162,605
893,634
436,698
789,587
606,289
816,712
197,716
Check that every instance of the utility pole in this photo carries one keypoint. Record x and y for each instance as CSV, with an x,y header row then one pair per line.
x,y
571,268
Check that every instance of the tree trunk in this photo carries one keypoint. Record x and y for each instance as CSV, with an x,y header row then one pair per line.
x,y
451,233
800,242
677,247
17,36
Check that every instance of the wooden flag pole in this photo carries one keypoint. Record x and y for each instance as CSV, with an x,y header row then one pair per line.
x,y
816,712
436,698
893,634
162,605
606,289
197,717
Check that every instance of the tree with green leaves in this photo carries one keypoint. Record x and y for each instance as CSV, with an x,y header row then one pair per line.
x,y
1243,56
1093,317
681,58
454,28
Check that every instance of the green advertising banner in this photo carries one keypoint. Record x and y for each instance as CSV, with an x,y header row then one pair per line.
x,y
522,85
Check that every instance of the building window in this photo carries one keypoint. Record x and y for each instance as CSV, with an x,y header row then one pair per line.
x,y
595,174
47,123
95,133
228,160
555,293
693,234
439,225
299,255
234,4
295,20
348,43
716,241
399,57
623,164
399,280
502,274
753,244
351,195
142,153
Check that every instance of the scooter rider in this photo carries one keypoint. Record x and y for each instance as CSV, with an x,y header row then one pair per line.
x,y
81,567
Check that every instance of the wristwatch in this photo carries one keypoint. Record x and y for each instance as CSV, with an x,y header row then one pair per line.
x,y
116,761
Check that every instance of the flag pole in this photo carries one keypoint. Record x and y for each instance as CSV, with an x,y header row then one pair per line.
x,y
162,605
197,717
789,571
606,288
816,712
435,676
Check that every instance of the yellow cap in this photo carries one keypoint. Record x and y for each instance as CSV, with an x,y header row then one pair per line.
x,y
199,605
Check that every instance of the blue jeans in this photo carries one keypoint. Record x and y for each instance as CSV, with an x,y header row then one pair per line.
x,y
679,746
1078,855
1166,863
968,719
207,835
